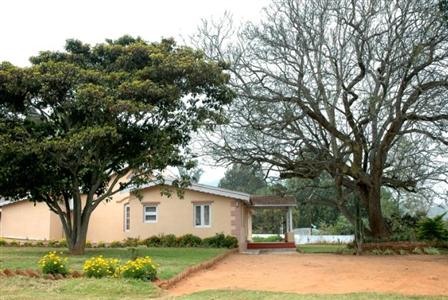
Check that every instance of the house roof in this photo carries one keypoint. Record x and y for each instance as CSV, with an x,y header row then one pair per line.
x,y
273,201
4,202
201,188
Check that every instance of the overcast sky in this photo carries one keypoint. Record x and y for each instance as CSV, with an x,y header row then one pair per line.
x,y
27,27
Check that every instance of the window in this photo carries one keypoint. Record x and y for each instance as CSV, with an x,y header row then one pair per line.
x,y
202,215
127,217
150,214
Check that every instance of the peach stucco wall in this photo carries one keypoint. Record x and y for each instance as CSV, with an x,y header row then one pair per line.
x,y
106,221
175,216
23,220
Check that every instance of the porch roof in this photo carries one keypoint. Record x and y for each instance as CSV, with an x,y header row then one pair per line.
x,y
272,201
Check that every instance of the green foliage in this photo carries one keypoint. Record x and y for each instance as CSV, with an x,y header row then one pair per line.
x,y
388,252
131,242
431,251
168,240
342,226
272,238
403,227
376,252
432,229
13,244
220,241
52,263
101,245
189,240
116,244
417,251
242,178
141,268
153,241
75,117
100,267
3,242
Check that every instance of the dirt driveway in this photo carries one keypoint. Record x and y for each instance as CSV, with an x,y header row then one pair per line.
x,y
324,274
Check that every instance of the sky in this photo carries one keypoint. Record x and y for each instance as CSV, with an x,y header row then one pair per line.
x,y
30,26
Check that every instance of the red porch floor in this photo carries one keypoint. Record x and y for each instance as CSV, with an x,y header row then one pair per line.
x,y
271,245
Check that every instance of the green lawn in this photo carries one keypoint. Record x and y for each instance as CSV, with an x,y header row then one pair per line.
x,y
171,260
259,295
25,288
324,248
90,289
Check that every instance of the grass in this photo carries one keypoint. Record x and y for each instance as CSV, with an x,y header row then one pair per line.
x,y
259,295
272,238
324,248
171,260
25,288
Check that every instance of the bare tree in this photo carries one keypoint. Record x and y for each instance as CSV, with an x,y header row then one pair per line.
x,y
354,89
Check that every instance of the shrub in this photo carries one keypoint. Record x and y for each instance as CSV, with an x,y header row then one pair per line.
x,y
216,241
376,252
57,244
40,244
131,242
14,244
88,244
3,242
168,240
140,268
101,245
417,251
27,244
116,244
432,229
431,251
153,241
189,240
388,252
220,241
52,263
99,267
230,242
403,252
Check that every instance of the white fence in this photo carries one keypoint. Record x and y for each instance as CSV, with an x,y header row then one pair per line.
x,y
315,239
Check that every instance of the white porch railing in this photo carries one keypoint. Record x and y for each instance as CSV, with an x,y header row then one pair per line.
x,y
314,239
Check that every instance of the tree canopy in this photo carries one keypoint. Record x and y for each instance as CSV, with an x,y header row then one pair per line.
x,y
355,90
242,178
76,123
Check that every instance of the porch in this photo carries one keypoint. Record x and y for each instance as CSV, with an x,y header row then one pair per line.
x,y
287,203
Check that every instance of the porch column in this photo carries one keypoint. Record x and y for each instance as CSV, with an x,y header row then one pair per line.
x,y
289,220
249,225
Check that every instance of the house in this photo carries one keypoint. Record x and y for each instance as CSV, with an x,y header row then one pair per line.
x,y
202,210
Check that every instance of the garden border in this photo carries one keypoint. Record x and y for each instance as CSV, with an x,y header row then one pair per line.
x,y
168,283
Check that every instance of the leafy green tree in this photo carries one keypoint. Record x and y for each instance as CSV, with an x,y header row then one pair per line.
x,y
242,178
76,123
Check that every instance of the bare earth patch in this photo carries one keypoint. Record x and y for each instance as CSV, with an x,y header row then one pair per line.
x,y
323,274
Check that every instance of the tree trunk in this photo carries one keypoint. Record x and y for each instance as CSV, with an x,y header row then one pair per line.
x,y
371,198
75,236
376,220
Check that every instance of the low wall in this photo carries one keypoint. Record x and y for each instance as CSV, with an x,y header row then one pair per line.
x,y
314,239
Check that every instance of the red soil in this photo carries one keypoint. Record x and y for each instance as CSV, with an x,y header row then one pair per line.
x,y
324,274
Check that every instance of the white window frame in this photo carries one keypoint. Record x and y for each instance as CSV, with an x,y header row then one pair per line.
x,y
127,221
202,215
151,214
